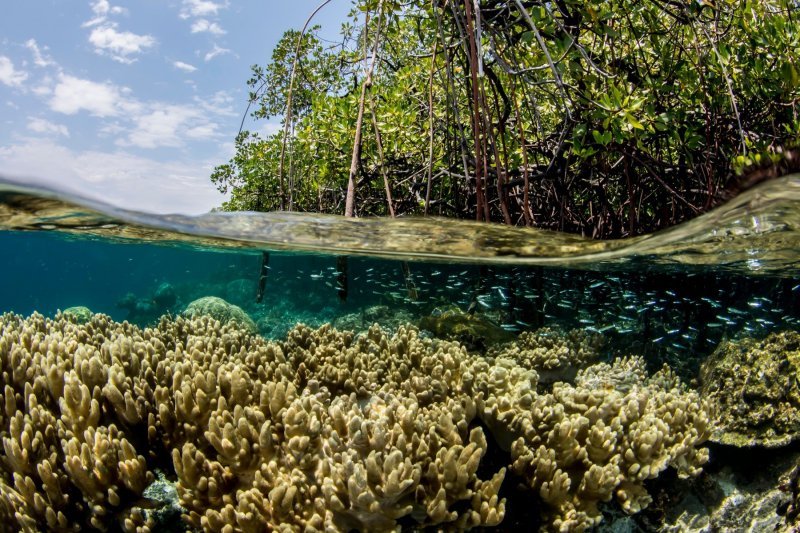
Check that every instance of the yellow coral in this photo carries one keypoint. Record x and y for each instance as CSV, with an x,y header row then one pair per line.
x,y
257,439
603,437
326,430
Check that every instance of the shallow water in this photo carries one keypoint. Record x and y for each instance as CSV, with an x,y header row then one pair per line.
x,y
672,298
759,230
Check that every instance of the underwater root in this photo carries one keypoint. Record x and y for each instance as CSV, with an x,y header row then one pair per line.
x,y
326,430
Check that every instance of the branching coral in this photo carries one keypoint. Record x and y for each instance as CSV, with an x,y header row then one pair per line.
x,y
65,463
600,438
555,355
255,440
324,431
350,443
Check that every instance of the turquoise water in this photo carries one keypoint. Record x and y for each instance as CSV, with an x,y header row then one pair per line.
x,y
673,299
676,312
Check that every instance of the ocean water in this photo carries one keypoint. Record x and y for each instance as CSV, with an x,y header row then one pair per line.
x,y
555,336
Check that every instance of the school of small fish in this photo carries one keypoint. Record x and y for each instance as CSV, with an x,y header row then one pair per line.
x,y
678,311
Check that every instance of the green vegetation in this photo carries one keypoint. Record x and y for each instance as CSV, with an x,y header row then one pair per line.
x,y
608,118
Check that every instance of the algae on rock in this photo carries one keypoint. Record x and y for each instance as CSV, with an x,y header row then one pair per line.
x,y
754,387
80,313
475,331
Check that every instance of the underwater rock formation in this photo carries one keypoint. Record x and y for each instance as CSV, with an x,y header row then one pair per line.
x,y
241,292
746,490
754,387
475,331
165,296
791,485
78,313
389,318
326,430
148,309
163,510
220,310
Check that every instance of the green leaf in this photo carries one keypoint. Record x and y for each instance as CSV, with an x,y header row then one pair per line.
x,y
789,74
600,138
633,122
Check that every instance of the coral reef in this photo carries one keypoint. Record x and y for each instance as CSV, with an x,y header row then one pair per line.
x,y
555,355
754,386
298,452
66,463
220,310
253,444
602,437
327,430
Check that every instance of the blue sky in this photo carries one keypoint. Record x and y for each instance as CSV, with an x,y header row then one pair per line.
x,y
135,102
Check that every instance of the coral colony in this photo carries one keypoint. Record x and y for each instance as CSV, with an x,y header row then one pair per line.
x,y
325,430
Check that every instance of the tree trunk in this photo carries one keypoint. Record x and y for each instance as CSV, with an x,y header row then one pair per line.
x,y
349,203
287,119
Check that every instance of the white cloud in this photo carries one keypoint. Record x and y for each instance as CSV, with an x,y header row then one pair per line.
x,y
9,75
119,45
201,8
72,95
186,67
160,128
203,131
102,9
93,22
268,129
220,103
40,125
165,125
216,51
112,129
40,59
203,25
118,177
143,124
108,40
43,87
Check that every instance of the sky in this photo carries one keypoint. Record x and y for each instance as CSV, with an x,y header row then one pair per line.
x,y
135,102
